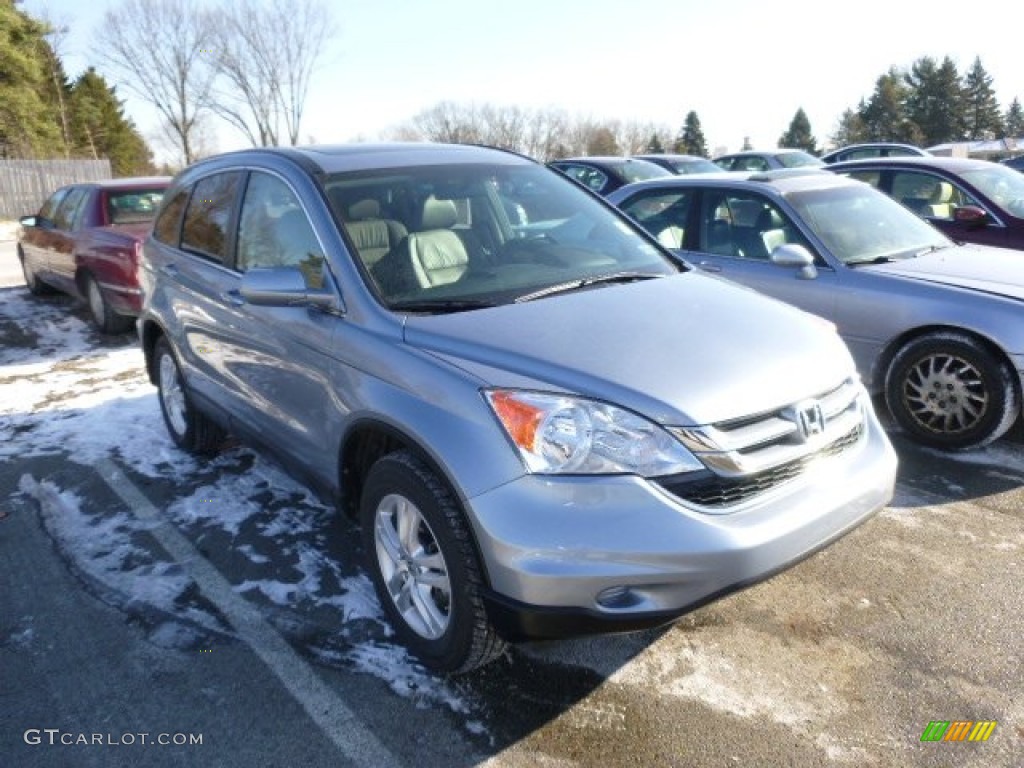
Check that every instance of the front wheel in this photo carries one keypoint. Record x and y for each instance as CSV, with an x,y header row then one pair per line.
x,y
35,286
424,566
948,391
191,430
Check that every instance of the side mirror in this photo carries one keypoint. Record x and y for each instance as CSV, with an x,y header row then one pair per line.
x,y
283,287
795,255
971,215
27,221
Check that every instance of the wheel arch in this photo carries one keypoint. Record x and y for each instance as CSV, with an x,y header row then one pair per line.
x,y
368,439
150,332
885,358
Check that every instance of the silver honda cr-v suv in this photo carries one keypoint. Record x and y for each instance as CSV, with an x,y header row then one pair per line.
x,y
544,425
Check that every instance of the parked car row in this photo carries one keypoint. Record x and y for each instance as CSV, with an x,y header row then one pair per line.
x,y
545,424
549,416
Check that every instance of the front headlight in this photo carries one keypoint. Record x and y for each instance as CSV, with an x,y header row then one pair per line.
x,y
560,434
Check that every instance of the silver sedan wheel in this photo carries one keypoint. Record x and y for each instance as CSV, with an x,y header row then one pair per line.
x,y
172,396
96,303
413,569
946,393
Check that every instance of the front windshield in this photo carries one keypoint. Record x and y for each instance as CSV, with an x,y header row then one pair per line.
x,y
453,237
859,224
797,159
1004,186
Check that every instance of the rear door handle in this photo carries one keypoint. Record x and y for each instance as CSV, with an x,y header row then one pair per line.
x,y
709,266
170,270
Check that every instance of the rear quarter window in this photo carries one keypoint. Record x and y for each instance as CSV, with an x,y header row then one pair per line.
x,y
167,228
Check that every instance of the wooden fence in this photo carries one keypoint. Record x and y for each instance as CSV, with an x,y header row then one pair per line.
x,y
25,184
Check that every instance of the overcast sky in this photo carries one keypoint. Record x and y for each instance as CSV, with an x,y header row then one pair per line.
x,y
745,66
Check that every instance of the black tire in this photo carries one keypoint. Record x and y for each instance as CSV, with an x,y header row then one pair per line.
x,y
190,429
458,637
103,317
949,391
35,286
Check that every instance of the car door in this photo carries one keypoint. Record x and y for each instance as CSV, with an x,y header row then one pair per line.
x,y
37,240
61,245
936,198
278,358
736,230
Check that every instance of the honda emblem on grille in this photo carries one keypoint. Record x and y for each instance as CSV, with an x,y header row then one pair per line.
x,y
810,419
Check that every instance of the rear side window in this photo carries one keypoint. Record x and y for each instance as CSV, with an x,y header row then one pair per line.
x,y
168,224
208,214
68,213
50,206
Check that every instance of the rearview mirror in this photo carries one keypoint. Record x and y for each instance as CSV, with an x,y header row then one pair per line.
x,y
795,255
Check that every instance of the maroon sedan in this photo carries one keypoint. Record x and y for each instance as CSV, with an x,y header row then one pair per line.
x,y
972,201
86,241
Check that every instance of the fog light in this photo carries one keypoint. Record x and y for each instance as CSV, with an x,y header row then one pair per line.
x,y
617,598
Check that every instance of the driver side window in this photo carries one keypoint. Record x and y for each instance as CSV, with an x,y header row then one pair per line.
x,y
744,225
274,231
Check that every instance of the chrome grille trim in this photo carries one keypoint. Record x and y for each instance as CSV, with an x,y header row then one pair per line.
x,y
755,444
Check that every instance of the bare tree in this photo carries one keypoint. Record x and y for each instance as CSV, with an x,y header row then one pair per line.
x,y
162,50
265,54
56,37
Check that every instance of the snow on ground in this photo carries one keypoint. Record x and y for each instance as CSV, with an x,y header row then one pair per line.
x,y
67,391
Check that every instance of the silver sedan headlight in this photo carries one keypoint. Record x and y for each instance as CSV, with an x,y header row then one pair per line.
x,y
560,434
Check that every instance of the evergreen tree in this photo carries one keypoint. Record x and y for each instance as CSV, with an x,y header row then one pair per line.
x,y
982,117
884,116
27,123
99,127
1013,123
850,129
798,135
935,100
654,146
690,140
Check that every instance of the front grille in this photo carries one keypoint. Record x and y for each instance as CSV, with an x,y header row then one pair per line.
x,y
716,492
756,453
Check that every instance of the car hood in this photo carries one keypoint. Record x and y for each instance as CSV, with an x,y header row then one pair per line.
x,y
682,350
982,268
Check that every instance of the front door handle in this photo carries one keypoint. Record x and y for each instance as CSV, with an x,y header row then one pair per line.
x,y
233,297
709,266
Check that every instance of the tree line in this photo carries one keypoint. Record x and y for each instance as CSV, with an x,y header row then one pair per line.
x,y
931,103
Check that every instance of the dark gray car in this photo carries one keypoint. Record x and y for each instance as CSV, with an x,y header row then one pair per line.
x,y
544,428
934,325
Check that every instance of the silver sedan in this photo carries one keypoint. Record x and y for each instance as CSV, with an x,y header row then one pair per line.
x,y
935,326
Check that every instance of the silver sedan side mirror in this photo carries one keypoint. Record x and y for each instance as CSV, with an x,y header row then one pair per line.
x,y
795,255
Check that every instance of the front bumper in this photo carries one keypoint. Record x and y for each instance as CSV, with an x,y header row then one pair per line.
x,y
574,555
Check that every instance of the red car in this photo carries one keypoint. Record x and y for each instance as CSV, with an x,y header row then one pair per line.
x,y
86,241
971,201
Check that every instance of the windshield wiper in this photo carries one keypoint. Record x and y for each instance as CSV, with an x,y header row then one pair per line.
x,y
441,305
873,260
929,249
575,285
